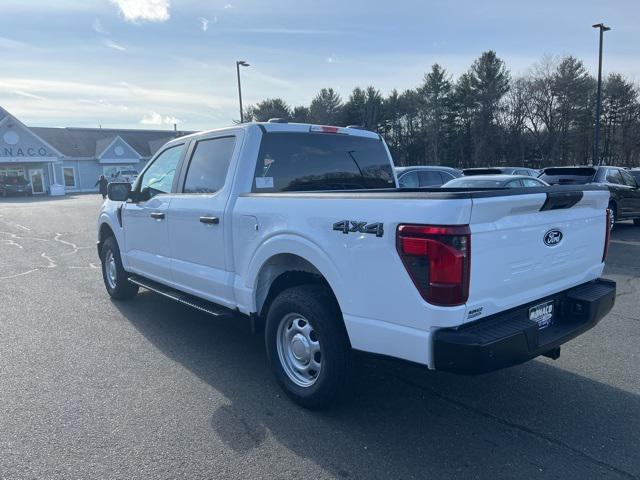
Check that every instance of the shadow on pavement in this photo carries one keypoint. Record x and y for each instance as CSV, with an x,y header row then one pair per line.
x,y
404,421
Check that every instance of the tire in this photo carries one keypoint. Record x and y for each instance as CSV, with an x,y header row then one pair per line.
x,y
304,327
113,273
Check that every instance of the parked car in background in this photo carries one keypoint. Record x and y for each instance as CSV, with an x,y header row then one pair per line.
x,y
14,185
624,202
124,175
500,171
425,176
495,181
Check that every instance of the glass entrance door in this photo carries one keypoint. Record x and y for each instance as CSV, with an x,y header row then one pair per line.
x,y
37,181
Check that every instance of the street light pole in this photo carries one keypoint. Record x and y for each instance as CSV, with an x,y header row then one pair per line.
x,y
596,143
238,64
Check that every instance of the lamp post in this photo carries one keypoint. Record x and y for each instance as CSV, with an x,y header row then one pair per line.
x,y
240,63
596,143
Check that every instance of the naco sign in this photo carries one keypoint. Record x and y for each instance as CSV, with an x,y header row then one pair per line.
x,y
24,152
18,145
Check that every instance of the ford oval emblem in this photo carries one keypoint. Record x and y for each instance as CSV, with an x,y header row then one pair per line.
x,y
552,238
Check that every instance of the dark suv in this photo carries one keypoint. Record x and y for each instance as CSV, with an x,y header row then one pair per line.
x,y
14,185
625,194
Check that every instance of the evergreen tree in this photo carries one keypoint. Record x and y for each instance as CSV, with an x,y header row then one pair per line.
x,y
267,109
326,107
489,79
436,92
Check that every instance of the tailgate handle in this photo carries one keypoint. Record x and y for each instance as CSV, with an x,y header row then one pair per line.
x,y
559,200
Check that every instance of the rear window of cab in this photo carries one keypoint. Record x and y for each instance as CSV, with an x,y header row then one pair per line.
x,y
300,161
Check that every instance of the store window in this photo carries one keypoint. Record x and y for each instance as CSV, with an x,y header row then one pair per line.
x,y
12,172
69,177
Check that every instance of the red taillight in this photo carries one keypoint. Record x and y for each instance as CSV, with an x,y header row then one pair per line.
x,y
438,260
607,235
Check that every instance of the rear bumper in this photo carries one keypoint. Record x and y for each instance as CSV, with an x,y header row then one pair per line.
x,y
510,338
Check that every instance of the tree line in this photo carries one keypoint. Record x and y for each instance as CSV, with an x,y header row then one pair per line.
x,y
487,117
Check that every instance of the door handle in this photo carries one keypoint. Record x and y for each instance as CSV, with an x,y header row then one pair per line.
x,y
210,220
157,215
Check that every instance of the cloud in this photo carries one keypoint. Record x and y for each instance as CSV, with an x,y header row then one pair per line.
x,y
10,44
114,45
286,31
143,10
204,23
27,95
154,118
228,6
98,28
331,59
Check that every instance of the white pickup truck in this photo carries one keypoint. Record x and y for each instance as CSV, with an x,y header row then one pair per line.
x,y
302,229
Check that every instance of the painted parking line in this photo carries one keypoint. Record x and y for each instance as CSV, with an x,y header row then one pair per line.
x,y
626,242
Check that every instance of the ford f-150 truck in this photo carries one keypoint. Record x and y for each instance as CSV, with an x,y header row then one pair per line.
x,y
302,230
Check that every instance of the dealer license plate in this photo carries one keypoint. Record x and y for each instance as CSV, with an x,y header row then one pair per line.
x,y
542,314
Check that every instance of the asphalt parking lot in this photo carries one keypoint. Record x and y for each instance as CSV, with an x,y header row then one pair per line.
x,y
90,388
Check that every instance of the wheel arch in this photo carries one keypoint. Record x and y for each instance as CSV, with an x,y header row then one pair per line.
x,y
284,262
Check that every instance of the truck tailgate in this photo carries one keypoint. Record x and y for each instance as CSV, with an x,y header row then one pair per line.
x,y
523,249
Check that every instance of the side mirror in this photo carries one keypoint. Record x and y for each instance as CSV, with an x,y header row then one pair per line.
x,y
118,191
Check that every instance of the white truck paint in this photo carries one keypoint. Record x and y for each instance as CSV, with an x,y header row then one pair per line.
x,y
260,234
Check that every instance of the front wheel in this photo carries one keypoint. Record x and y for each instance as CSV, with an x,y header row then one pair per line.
x,y
113,273
308,346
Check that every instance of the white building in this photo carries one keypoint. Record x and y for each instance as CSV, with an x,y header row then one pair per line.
x,y
73,158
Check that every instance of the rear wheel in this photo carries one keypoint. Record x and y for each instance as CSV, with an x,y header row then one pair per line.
x,y
116,279
307,345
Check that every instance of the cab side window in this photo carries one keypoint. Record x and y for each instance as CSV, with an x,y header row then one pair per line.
x,y
613,176
158,178
628,179
429,178
209,164
530,182
409,180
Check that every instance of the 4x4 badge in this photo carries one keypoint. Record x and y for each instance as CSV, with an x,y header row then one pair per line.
x,y
352,226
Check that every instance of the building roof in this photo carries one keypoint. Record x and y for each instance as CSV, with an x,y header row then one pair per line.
x,y
90,142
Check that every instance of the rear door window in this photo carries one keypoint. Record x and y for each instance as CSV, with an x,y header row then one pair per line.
x,y
297,162
209,164
429,178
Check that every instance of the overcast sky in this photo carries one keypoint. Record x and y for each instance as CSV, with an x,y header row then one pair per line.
x,y
150,63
